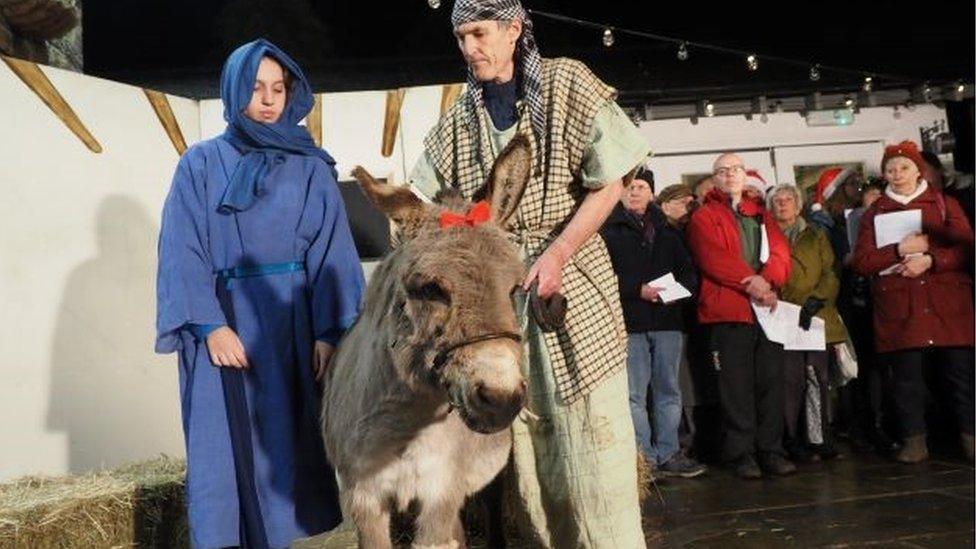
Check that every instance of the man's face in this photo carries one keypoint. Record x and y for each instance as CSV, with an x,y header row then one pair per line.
x,y
729,174
488,48
637,196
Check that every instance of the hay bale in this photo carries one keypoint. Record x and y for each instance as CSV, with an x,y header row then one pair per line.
x,y
137,505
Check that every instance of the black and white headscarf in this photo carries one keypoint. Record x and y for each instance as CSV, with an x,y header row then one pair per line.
x,y
526,53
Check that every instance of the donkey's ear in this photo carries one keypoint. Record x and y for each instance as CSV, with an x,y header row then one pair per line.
x,y
508,179
397,203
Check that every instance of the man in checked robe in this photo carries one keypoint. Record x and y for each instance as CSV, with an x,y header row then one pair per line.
x,y
574,451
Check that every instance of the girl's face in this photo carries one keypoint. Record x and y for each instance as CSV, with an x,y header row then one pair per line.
x,y
270,93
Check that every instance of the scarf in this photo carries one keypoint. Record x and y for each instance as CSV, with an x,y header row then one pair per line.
x,y
793,231
904,199
262,145
527,58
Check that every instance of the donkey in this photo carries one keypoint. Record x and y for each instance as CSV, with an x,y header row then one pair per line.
x,y
422,390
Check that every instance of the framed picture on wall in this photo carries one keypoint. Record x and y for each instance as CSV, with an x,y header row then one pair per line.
x,y
806,175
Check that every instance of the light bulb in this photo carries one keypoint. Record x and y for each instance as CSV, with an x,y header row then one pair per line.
x,y
868,83
752,62
815,73
607,37
683,52
709,108
434,4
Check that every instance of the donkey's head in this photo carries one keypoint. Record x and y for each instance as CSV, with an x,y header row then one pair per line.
x,y
453,326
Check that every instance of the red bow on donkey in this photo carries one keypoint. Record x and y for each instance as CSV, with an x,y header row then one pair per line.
x,y
478,214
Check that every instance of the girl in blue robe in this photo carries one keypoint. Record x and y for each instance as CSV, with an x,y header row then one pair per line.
x,y
258,273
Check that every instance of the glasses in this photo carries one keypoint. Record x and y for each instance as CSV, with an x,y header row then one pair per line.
x,y
725,171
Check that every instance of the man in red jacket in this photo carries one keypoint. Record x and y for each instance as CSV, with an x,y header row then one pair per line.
x,y
743,258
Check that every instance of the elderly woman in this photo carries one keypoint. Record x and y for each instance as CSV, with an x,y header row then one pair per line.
x,y
923,301
258,280
812,285
676,203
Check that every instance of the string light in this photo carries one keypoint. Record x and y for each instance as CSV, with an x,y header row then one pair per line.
x,y
434,4
752,62
683,52
815,73
607,37
868,84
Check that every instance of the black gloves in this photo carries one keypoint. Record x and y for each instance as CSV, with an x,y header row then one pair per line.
x,y
810,307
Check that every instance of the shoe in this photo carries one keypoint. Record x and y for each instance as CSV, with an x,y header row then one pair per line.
x,y
775,464
801,453
745,467
883,444
967,445
913,450
681,466
825,451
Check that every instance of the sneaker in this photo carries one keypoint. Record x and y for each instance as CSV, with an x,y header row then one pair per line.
x,y
681,466
745,467
776,464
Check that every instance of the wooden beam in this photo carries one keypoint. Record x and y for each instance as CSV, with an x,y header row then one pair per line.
x,y
314,121
450,94
38,82
164,112
391,120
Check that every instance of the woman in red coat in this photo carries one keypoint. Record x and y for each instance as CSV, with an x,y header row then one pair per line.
x,y
923,310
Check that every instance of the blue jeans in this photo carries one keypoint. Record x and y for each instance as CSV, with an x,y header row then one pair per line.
x,y
653,361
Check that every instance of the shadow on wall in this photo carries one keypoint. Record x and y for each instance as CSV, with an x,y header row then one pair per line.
x,y
104,393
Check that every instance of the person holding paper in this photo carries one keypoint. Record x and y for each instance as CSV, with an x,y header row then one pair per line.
x,y
743,258
923,310
813,285
643,249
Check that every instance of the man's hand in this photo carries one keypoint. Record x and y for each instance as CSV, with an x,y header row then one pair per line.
x,y
914,243
322,359
756,286
916,265
650,293
226,349
548,269
768,299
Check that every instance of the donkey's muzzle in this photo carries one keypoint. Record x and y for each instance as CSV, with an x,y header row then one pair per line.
x,y
492,409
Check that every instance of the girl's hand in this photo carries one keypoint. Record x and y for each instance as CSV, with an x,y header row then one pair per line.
x,y
916,265
913,244
321,359
226,349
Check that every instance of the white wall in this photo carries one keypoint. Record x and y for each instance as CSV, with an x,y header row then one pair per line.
x,y
81,386
682,147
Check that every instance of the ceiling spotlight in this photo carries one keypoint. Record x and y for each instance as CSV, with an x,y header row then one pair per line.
x,y
752,62
868,84
815,73
709,108
434,4
961,88
683,52
848,101
607,37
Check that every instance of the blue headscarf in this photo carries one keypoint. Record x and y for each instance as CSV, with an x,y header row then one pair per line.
x,y
262,144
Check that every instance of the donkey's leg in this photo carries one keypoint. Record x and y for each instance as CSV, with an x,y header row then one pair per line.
x,y
372,521
439,525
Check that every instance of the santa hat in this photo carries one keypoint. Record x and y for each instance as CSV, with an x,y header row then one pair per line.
x,y
827,185
754,180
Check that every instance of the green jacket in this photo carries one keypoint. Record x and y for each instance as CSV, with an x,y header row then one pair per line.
x,y
813,275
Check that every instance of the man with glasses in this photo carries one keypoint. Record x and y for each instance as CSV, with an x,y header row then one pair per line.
x,y
743,258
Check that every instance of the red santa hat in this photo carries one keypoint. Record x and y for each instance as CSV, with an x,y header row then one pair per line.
x,y
754,180
827,185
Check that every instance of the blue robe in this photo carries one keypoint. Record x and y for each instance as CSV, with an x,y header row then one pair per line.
x,y
299,218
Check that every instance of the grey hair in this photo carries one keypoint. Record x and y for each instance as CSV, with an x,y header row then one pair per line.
x,y
785,187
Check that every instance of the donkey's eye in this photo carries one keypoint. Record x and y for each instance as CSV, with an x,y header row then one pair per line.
x,y
429,291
